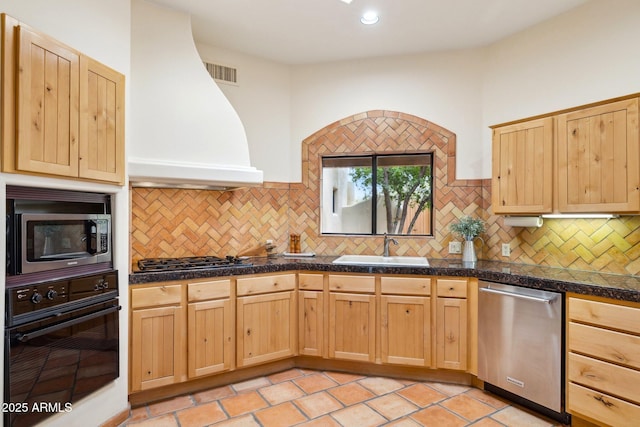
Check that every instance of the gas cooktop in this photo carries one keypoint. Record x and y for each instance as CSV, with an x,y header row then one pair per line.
x,y
189,263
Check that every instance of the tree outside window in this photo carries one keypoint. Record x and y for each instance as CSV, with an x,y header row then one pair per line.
x,y
377,194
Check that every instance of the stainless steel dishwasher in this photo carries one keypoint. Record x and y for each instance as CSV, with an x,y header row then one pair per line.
x,y
520,346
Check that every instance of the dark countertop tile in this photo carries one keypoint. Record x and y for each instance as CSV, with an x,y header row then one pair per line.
x,y
616,286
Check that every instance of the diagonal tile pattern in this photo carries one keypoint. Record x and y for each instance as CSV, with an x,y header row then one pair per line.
x,y
352,401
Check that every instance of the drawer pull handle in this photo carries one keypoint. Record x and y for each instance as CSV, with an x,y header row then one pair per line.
x,y
605,402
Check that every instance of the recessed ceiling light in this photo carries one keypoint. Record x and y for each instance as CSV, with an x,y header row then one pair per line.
x,y
370,18
346,1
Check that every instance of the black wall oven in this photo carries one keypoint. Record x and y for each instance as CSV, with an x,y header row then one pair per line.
x,y
61,344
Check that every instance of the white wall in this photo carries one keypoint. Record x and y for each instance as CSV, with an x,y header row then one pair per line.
x,y
101,30
582,56
262,100
586,55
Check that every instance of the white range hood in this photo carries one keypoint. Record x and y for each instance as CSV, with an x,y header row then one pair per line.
x,y
184,133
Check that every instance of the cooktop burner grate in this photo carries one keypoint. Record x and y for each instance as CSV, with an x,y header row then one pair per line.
x,y
188,263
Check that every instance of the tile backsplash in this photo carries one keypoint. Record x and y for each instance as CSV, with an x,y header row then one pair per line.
x,y
176,222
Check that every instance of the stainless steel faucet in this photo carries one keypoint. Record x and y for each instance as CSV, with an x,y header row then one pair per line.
x,y
388,240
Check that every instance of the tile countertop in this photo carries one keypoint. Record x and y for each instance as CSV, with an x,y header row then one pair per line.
x,y
616,286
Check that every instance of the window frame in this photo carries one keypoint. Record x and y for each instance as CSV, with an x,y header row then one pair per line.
x,y
374,190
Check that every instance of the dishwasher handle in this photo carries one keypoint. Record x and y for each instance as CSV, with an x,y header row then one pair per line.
x,y
517,295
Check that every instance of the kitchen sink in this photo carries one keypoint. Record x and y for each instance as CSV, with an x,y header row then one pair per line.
x,y
391,261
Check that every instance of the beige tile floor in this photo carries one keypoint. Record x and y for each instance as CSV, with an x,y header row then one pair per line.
x,y
300,397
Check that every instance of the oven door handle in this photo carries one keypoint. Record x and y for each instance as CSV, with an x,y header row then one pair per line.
x,y
39,332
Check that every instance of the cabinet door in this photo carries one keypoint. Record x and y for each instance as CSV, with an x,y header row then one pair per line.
x,y
451,333
265,328
352,326
101,146
523,167
598,159
311,323
48,105
156,347
210,325
406,330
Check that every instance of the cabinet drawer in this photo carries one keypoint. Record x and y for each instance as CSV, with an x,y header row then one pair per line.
x,y
454,288
604,376
214,289
617,347
605,314
310,282
265,284
602,407
406,285
158,295
365,284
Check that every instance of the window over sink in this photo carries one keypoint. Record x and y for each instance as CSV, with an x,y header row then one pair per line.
x,y
377,194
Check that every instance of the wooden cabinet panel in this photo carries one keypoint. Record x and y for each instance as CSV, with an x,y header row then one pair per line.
x,y
405,285
523,167
599,159
599,406
606,377
265,284
451,288
352,283
352,320
605,314
213,289
156,295
156,347
604,344
48,105
311,323
406,330
266,328
62,112
451,333
101,147
310,282
210,329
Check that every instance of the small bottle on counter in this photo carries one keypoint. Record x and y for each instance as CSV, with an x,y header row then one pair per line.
x,y
294,243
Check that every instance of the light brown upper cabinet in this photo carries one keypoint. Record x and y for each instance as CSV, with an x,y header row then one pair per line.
x,y
62,112
523,167
598,159
580,160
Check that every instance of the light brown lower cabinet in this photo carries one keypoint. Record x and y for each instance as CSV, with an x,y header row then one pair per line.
x,y
266,328
210,328
451,324
157,345
603,361
310,323
352,326
406,330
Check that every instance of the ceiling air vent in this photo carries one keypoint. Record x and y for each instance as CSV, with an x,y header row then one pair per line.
x,y
222,73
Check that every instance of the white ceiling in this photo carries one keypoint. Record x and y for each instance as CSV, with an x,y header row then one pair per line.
x,y
311,31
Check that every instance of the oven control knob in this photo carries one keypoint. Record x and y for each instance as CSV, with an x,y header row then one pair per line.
x,y
51,294
36,298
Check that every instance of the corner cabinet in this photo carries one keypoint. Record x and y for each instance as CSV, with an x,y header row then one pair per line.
x,y
266,318
157,345
599,159
62,112
523,167
311,314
